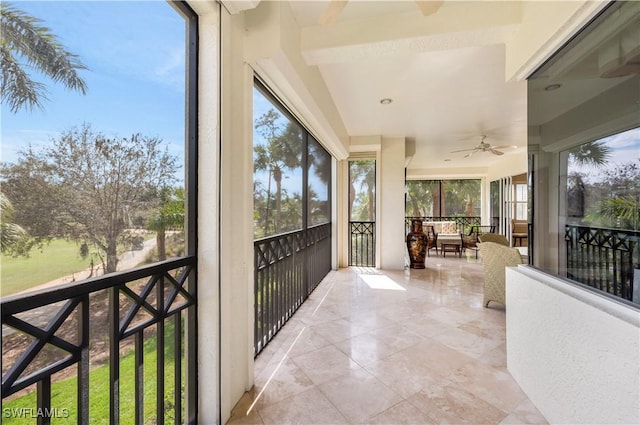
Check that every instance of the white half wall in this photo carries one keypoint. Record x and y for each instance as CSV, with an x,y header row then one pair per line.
x,y
575,353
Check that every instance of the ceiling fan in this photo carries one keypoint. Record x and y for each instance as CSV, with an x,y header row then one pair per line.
x,y
485,147
334,8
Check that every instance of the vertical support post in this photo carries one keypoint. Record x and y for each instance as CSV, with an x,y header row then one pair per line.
x,y
44,400
139,377
114,355
83,363
177,362
160,352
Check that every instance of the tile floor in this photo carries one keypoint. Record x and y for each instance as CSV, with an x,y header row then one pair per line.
x,y
390,347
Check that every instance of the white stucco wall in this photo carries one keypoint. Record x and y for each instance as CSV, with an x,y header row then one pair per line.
x,y
576,354
545,26
208,213
390,217
272,48
236,218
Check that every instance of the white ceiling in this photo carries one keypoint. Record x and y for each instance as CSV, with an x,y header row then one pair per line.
x,y
444,72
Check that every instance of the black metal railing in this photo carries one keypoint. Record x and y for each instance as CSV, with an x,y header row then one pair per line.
x,y
288,267
362,243
101,321
463,223
603,258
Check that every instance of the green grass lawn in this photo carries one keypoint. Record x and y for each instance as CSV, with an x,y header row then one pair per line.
x,y
57,259
63,393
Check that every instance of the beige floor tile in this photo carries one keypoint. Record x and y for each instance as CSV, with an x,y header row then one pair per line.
x,y
424,351
403,413
325,364
494,386
525,413
242,413
359,395
365,349
309,407
452,404
285,381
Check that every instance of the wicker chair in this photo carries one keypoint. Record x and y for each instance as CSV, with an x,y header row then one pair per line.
x,y
432,239
493,237
495,257
470,240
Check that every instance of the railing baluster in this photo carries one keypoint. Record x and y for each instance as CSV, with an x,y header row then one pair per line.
x,y
286,273
160,354
114,355
362,243
139,377
177,364
602,258
44,400
83,363
77,298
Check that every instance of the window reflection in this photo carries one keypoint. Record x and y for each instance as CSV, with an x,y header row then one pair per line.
x,y
584,144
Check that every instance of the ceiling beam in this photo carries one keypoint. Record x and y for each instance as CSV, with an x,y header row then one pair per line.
x,y
465,24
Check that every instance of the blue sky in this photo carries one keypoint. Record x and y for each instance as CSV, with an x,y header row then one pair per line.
x,y
135,53
625,148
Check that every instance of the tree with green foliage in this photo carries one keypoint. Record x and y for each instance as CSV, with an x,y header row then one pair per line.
x,y
87,187
281,152
594,153
362,173
419,200
618,195
27,45
11,234
467,193
170,216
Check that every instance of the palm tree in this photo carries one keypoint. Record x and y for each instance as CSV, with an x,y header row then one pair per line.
x,y
620,212
591,153
282,152
10,233
23,39
363,172
169,216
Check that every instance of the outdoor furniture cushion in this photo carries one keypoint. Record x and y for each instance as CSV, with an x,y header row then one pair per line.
x,y
443,227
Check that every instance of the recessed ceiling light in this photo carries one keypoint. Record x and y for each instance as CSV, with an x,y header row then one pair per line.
x,y
552,87
386,101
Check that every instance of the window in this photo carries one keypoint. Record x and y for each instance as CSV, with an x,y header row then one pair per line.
x,y
442,198
292,171
584,113
319,163
362,192
520,201
95,175
603,182
277,163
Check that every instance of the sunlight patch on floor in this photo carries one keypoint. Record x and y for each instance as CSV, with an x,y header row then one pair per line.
x,y
380,281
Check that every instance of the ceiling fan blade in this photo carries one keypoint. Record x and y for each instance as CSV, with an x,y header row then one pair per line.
x,y
333,10
429,7
464,150
471,153
495,152
505,147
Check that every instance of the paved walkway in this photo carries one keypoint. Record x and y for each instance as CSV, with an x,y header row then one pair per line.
x,y
41,316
